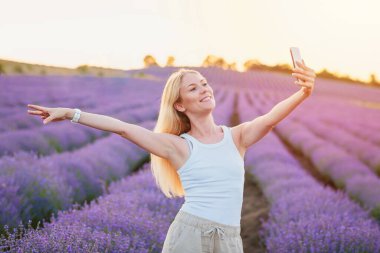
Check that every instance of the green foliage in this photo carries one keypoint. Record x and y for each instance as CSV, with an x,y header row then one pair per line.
x,y
54,143
170,61
215,61
43,72
2,70
375,212
255,64
141,74
83,69
283,68
325,73
18,69
149,60
373,80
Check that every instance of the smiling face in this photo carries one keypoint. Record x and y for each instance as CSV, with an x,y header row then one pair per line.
x,y
196,95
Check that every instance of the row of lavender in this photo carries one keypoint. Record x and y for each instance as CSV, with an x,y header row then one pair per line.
x,y
18,91
344,131
339,135
33,188
304,215
22,132
61,137
133,217
350,161
116,97
263,91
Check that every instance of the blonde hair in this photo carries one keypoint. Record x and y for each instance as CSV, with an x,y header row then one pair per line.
x,y
173,122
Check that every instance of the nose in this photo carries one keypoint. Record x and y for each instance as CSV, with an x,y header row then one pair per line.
x,y
204,89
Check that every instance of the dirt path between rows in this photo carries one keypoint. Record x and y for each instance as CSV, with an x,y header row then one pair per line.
x,y
255,206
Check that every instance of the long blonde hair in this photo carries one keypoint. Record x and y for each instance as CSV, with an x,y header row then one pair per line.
x,y
173,122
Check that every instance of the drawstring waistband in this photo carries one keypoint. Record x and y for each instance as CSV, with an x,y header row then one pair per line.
x,y
211,232
218,229
208,227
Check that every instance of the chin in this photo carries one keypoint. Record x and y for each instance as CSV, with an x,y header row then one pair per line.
x,y
210,108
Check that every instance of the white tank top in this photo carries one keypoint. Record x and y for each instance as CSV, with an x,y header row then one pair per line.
x,y
213,180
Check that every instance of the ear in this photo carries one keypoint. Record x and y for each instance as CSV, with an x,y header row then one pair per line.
x,y
179,107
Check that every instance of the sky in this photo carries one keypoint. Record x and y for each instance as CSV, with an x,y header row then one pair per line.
x,y
340,35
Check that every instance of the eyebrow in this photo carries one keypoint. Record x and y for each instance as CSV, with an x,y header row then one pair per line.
x,y
194,83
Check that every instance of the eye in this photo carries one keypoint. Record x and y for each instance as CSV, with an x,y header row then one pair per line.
x,y
205,84
192,89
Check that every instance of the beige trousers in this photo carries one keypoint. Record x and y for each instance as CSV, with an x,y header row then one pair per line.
x,y
192,234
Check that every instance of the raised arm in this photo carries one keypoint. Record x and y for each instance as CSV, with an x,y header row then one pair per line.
x,y
160,144
253,131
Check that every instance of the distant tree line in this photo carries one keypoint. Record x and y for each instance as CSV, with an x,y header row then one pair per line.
x,y
209,61
2,70
253,64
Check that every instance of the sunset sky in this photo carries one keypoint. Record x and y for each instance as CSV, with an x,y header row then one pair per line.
x,y
341,35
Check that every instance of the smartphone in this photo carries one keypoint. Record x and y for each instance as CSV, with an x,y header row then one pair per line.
x,y
296,56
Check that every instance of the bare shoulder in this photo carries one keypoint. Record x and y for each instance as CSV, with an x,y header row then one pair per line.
x,y
181,151
236,132
178,141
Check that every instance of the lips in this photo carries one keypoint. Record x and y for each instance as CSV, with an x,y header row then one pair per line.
x,y
205,98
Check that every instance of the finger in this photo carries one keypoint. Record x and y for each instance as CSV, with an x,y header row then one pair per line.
x,y
308,73
47,120
299,70
303,77
307,85
299,82
40,114
35,112
303,84
37,107
302,70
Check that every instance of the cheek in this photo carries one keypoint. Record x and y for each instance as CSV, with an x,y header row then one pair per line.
x,y
192,97
189,99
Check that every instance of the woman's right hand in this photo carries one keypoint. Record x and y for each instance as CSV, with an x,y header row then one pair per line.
x,y
49,114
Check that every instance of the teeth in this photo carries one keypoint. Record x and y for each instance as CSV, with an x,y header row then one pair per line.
x,y
206,98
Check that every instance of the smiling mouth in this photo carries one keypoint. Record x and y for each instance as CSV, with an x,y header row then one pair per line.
x,y
206,99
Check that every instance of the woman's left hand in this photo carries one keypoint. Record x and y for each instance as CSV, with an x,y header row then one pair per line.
x,y
306,77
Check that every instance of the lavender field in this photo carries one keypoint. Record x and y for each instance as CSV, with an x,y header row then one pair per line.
x,y
69,188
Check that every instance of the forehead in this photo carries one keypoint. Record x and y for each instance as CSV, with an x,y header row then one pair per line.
x,y
190,78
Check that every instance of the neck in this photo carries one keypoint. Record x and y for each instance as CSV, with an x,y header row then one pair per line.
x,y
203,127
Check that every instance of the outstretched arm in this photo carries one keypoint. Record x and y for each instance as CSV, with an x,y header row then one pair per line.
x,y
98,121
254,130
160,144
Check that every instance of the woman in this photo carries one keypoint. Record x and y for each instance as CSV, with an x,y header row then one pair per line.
x,y
191,156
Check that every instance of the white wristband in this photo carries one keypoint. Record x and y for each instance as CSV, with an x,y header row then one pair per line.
x,y
76,115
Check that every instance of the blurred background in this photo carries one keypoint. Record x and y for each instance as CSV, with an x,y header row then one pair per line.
x,y
311,185
337,38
